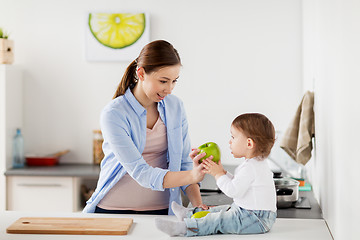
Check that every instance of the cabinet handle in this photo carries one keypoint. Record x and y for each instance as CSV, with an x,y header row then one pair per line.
x,y
38,185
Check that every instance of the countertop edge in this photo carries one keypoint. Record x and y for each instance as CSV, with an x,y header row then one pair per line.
x,y
61,170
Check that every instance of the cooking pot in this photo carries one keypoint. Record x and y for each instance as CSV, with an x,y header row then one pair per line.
x,y
287,192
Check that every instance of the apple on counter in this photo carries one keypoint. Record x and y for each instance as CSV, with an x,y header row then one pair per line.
x,y
200,214
211,149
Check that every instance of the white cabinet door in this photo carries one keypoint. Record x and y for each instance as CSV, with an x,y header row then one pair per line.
x,y
43,194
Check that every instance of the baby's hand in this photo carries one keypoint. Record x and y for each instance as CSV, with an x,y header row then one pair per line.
x,y
210,167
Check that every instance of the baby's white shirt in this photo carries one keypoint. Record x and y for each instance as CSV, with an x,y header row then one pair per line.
x,y
252,186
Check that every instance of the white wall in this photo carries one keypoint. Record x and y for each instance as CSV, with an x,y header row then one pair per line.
x,y
238,56
11,116
331,40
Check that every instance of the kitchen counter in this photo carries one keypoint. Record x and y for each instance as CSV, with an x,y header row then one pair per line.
x,y
92,171
144,228
215,198
292,212
61,170
286,226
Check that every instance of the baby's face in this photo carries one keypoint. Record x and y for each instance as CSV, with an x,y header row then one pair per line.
x,y
238,143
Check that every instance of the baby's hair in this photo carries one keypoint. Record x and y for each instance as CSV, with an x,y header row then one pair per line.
x,y
260,129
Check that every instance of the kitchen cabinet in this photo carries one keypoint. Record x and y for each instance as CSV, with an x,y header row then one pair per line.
x,y
43,194
49,188
11,116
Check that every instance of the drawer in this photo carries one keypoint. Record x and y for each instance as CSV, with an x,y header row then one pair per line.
x,y
42,194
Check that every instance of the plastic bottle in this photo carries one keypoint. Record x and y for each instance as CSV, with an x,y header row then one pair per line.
x,y
18,150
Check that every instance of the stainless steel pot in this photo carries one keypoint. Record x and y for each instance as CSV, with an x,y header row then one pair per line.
x,y
287,192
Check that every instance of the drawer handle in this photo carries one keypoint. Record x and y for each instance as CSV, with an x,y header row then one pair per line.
x,y
38,185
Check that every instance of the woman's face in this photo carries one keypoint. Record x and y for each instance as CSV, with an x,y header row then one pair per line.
x,y
158,84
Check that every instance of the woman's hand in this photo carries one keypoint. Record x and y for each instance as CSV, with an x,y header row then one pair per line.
x,y
198,169
194,195
181,178
203,206
194,154
210,167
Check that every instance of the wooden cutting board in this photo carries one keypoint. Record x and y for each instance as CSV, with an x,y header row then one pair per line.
x,y
83,226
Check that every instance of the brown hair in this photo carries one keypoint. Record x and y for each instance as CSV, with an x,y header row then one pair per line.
x,y
260,129
153,56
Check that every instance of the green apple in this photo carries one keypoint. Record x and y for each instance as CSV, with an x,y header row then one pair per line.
x,y
211,149
200,214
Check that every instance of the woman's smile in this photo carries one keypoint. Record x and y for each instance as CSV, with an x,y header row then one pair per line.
x,y
161,97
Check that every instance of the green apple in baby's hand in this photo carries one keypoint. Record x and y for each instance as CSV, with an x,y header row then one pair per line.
x,y
210,148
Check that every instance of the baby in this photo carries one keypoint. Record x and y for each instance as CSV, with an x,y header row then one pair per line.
x,y
251,187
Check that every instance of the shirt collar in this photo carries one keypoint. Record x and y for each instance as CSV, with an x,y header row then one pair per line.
x,y
257,158
139,109
134,103
161,103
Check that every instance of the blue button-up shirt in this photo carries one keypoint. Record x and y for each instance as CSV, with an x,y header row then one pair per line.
x,y
123,125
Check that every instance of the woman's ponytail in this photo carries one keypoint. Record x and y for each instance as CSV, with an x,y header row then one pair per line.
x,y
127,80
153,56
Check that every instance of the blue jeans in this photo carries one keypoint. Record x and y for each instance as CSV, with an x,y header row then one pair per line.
x,y
230,219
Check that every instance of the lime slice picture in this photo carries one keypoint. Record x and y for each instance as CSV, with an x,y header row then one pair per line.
x,y
117,30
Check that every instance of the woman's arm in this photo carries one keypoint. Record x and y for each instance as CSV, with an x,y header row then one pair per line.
x,y
197,174
181,178
194,195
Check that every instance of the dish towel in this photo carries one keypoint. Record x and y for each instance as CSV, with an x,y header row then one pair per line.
x,y
297,140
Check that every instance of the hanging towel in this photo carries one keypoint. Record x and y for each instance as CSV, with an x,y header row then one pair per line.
x,y
297,140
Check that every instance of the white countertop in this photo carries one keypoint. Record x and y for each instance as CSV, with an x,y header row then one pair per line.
x,y
144,228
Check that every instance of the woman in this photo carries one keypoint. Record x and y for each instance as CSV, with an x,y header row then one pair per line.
x,y
146,141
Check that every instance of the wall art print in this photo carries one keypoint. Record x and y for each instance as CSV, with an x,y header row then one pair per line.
x,y
116,36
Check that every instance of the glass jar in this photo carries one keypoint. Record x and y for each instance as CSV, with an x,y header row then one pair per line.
x,y
98,153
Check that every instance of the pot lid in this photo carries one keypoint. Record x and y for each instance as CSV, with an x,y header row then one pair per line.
x,y
286,182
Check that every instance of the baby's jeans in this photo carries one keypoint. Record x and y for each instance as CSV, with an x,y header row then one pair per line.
x,y
230,219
